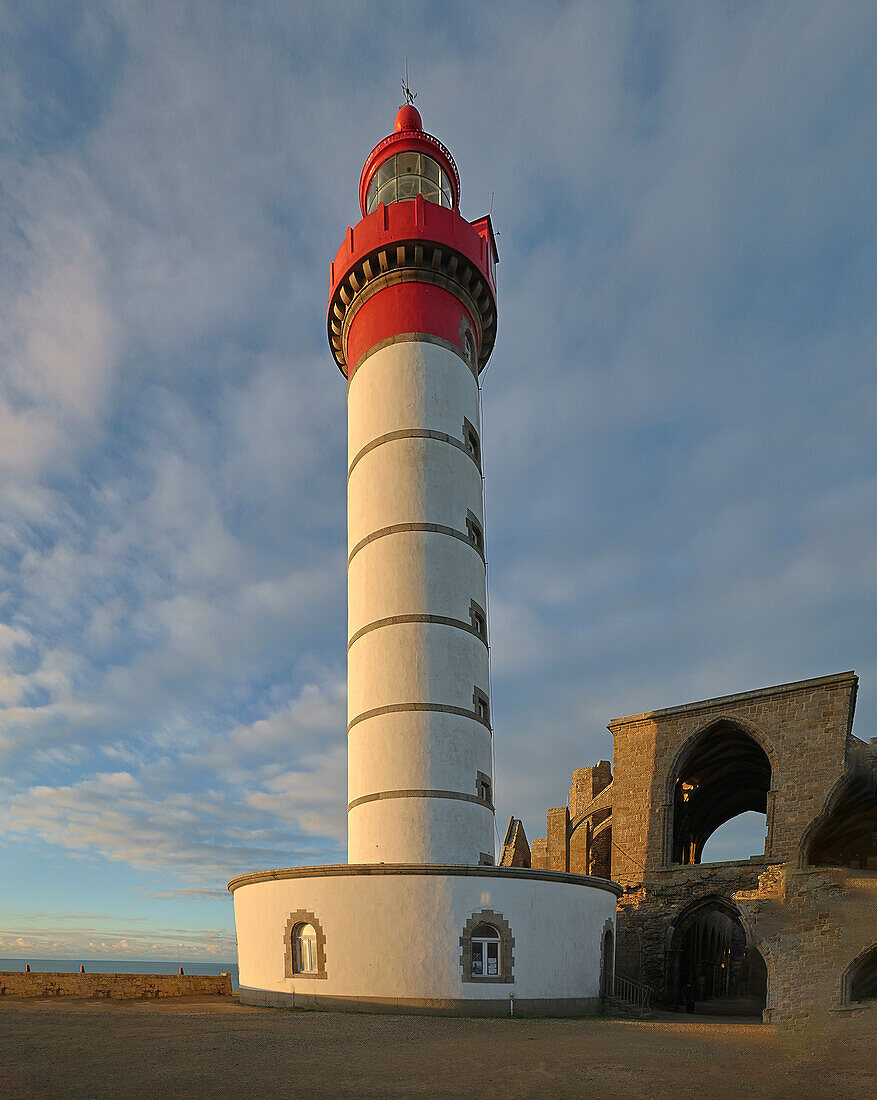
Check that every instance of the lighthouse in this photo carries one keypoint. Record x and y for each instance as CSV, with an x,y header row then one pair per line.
x,y
411,322
420,918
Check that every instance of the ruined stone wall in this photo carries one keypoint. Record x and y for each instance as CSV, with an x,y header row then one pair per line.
x,y
812,933
121,986
539,853
586,784
808,923
579,835
515,849
802,727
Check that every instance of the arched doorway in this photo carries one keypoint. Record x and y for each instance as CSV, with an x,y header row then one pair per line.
x,y
710,950
607,964
725,774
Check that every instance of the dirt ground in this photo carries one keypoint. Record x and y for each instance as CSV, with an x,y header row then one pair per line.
x,y
214,1047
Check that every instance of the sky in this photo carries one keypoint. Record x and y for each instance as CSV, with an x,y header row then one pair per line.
x,y
679,415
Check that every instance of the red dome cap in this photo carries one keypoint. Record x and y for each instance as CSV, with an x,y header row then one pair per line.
x,y
408,118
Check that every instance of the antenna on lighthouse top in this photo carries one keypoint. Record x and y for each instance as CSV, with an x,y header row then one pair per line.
x,y
406,91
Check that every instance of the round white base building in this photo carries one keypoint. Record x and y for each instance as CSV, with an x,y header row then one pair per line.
x,y
420,919
467,941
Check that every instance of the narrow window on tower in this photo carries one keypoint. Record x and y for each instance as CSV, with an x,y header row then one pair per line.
x,y
476,535
481,704
470,438
478,619
482,786
469,348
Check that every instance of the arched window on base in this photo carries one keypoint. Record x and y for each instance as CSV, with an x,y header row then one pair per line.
x,y
487,949
304,949
485,952
304,946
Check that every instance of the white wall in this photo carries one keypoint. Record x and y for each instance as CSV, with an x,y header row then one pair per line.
x,y
426,662
414,385
413,569
419,830
412,481
407,385
419,750
397,936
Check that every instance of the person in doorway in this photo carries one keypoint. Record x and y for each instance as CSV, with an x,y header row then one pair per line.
x,y
688,997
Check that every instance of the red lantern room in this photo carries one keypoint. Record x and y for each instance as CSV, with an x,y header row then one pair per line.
x,y
407,163
413,263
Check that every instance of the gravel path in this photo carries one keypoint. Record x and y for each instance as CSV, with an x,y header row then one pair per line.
x,y
217,1048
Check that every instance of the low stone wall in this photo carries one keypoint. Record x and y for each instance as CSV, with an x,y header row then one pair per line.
x,y
121,986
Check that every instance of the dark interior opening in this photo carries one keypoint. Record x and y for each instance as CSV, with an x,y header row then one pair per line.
x,y
863,980
848,838
710,952
608,964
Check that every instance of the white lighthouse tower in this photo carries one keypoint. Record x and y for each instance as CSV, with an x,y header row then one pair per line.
x,y
420,919
411,323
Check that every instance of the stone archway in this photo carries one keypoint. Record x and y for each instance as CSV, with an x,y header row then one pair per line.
x,y
711,950
720,774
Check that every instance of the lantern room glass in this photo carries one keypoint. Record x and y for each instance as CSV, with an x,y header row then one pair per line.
x,y
406,175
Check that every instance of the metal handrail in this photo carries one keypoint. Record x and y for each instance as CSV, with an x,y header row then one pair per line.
x,y
635,994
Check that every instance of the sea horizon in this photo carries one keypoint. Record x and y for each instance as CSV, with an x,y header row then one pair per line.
x,y
72,964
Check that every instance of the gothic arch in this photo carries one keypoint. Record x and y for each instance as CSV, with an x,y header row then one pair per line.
x,y
708,729
690,912
828,807
862,970
590,843
844,832
576,824
712,945
722,770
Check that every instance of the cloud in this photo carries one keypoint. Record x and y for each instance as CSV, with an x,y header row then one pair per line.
x,y
59,348
221,808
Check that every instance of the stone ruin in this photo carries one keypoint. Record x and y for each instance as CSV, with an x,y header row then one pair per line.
x,y
790,933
